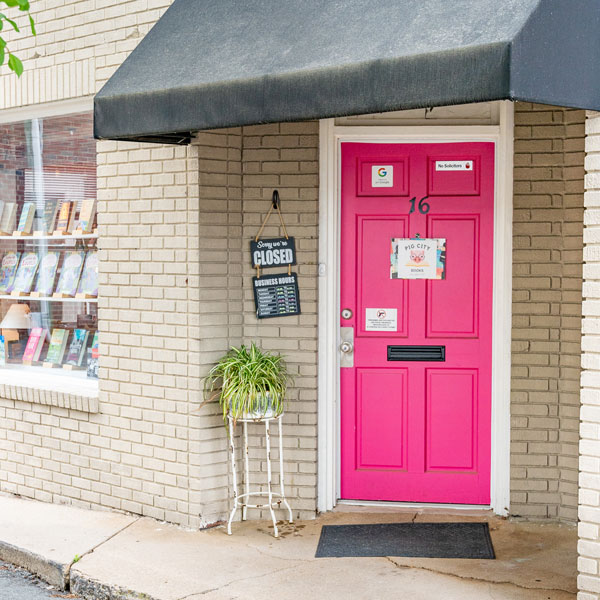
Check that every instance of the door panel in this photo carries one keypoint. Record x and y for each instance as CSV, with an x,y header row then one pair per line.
x,y
417,430
379,291
446,318
451,417
391,431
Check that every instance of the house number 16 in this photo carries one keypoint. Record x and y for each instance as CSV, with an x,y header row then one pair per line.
x,y
423,206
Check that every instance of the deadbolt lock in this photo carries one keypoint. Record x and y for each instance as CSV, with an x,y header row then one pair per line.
x,y
346,313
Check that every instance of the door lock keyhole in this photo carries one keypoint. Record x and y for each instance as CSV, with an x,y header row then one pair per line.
x,y
346,347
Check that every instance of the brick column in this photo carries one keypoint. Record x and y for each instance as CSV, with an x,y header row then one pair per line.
x,y
589,446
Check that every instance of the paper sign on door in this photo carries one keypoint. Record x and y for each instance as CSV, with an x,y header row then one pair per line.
x,y
382,176
418,258
381,319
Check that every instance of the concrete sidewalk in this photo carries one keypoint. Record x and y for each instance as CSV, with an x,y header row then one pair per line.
x,y
108,556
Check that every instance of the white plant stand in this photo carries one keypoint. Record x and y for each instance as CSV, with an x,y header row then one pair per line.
x,y
241,500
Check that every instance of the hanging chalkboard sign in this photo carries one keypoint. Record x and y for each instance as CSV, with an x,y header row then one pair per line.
x,y
276,295
274,252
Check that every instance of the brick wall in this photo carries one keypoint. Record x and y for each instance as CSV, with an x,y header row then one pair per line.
x,y
547,279
78,46
285,156
220,317
239,169
589,446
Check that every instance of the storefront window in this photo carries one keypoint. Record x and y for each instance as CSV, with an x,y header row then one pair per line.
x,y
48,253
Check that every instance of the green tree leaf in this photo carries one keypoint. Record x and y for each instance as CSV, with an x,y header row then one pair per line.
x,y
15,26
15,65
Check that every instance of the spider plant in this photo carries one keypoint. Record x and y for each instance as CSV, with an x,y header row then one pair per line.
x,y
248,383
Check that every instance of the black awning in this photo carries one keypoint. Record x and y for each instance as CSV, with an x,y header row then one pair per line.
x,y
222,63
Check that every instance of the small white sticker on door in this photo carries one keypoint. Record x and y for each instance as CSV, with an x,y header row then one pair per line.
x,y
381,319
453,165
382,176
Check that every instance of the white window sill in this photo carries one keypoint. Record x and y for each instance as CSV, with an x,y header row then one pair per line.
x,y
53,387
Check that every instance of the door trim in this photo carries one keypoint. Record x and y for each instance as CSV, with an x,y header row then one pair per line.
x,y
330,138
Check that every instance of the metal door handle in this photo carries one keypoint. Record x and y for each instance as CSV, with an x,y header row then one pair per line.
x,y
346,347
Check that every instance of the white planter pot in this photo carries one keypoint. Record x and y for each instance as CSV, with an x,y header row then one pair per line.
x,y
265,411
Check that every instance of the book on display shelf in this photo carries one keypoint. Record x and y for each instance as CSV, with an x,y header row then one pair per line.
x,y
46,274
46,217
26,220
77,348
93,354
56,349
86,216
8,271
70,274
35,343
2,351
25,274
8,220
88,284
66,218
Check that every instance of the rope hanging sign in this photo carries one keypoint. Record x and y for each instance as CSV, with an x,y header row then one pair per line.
x,y
273,252
274,295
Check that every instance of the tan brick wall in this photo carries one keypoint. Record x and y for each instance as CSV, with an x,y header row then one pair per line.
x,y
285,156
239,169
79,45
589,461
547,280
220,317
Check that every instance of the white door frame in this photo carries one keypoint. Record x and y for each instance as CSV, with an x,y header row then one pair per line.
x,y
330,138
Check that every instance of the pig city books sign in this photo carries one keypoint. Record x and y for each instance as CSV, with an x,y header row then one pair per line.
x,y
418,258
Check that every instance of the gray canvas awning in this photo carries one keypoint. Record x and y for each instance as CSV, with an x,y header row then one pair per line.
x,y
220,63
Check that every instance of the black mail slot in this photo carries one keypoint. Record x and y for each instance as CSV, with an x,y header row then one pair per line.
x,y
417,353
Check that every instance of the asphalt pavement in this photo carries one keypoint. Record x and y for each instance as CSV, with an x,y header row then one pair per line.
x,y
18,584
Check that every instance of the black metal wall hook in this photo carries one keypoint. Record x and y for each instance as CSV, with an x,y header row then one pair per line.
x,y
276,201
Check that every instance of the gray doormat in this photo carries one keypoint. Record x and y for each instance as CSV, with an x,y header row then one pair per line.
x,y
427,540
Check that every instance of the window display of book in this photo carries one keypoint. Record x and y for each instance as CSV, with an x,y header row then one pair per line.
x,y
86,216
77,348
66,217
48,259
46,217
35,343
47,274
26,219
93,354
56,349
9,218
26,271
88,284
70,273
8,271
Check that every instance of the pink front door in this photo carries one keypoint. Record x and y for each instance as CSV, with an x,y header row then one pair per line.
x,y
416,404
